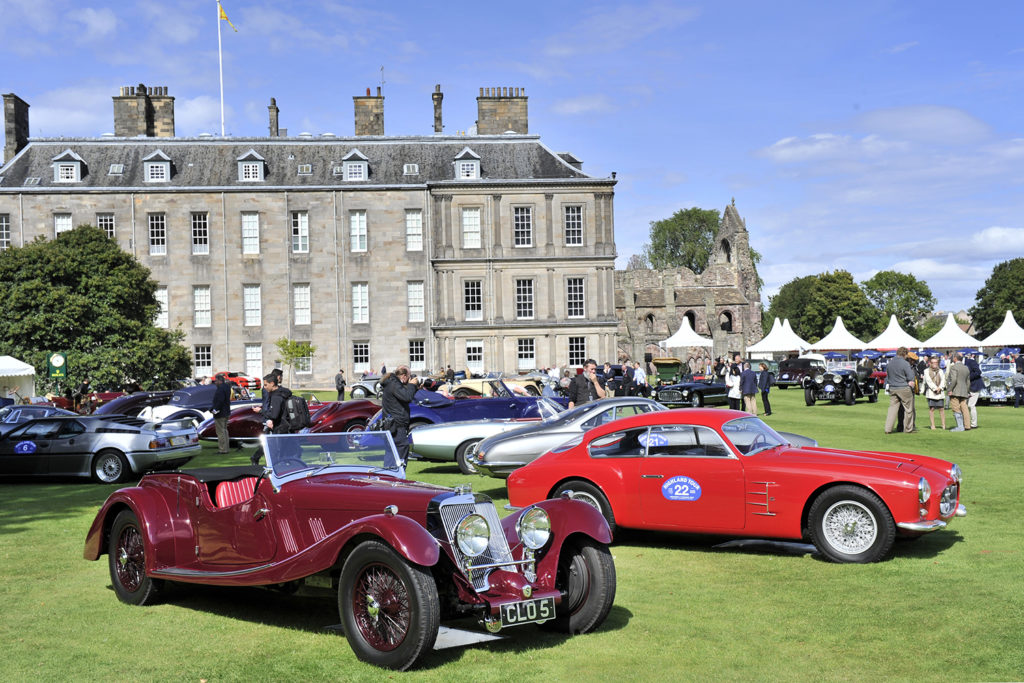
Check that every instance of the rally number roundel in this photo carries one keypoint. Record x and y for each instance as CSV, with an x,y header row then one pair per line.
x,y
681,488
25,447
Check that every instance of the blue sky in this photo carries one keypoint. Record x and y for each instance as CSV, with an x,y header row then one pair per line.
x,y
866,136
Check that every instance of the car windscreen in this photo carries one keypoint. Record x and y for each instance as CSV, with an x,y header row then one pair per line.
x,y
750,435
288,454
549,410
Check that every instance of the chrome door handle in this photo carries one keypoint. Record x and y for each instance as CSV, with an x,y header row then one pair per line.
x,y
261,513
652,476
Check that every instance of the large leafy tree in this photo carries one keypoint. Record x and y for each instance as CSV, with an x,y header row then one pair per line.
x,y
687,238
790,302
81,294
902,295
834,294
1003,291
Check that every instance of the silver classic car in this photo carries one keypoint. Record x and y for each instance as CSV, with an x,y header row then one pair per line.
x,y
998,379
499,455
110,448
448,441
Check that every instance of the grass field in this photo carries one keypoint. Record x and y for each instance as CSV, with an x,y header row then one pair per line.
x,y
947,606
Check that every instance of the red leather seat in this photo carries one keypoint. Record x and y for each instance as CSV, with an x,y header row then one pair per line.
x,y
234,492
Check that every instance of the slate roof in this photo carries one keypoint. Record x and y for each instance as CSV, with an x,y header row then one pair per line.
x,y
209,163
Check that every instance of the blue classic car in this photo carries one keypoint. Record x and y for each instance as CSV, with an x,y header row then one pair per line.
x,y
430,407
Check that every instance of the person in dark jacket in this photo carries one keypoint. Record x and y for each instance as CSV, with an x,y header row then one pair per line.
x,y
900,378
586,387
221,410
977,384
397,391
765,380
748,387
274,416
339,384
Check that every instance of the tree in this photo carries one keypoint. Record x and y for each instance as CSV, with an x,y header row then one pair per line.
x,y
81,294
686,239
637,262
295,353
902,295
1003,291
933,324
790,302
834,294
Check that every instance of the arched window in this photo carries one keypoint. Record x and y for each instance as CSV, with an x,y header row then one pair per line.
x,y
692,318
649,322
725,321
726,251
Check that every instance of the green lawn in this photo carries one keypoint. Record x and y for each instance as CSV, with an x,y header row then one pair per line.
x,y
947,606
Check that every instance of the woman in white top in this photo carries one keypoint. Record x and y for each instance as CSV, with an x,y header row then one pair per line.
x,y
732,380
934,390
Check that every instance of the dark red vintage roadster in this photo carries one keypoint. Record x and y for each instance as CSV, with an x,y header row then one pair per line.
x,y
334,510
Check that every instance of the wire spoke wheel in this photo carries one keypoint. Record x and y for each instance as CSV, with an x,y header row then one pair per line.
x,y
130,561
849,527
381,604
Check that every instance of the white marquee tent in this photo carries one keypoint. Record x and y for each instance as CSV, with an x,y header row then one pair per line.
x,y
893,337
780,338
17,377
685,336
1008,334
951,336
839,339
799,342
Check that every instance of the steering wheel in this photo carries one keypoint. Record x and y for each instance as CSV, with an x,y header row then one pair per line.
x,y
290,463
760,438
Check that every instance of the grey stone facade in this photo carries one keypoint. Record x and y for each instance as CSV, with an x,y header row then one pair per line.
x,y
516,262
723,302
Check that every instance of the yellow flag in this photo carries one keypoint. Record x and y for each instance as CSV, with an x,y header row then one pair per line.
x,y
224,16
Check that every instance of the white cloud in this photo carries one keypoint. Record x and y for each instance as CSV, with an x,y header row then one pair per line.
x,y
926,123
902,47
583,104
930,269
81,110
615,29
98,23
828,146
172,23
199,115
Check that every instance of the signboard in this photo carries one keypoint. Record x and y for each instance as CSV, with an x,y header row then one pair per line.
x,y
58,363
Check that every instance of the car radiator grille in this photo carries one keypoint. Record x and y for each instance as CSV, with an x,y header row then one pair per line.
x,y
670,396
497,550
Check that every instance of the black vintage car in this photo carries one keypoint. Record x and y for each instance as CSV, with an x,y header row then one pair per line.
x,y
840,385
707,392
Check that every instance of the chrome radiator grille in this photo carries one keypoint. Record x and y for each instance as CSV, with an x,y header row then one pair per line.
x,y
497,550
670,396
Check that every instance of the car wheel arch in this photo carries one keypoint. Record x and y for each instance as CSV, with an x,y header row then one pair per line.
x,y
403,535
805,513
577,478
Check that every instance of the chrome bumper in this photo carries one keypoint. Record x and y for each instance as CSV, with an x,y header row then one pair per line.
x,y
932,525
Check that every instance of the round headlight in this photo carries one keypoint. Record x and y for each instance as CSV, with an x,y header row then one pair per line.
x,y
686,392
534,528
473,535
924,490
986,381
956,473
820,379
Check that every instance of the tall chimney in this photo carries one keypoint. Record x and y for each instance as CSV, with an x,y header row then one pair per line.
x,y
369,113
437,96
500,110
142,111
15,125
274,131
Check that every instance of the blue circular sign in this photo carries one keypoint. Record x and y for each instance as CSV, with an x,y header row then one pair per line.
x,y
681,488
25,447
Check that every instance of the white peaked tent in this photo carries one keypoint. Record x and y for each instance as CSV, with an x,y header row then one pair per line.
x,y
798,342
893,337
839,339
17,376
685,336
780,338
1008,334
951,336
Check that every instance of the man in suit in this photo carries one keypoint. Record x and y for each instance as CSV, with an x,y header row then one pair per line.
x,y
748,387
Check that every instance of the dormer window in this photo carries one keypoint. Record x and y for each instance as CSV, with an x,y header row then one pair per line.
x,y
67,167
251,167
116,169
156,167
410,169
356,166
305,169
467,165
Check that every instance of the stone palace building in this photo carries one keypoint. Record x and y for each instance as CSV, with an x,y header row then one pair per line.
x,y
487,251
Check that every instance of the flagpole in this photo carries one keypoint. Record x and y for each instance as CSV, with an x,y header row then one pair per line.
x,y
220,58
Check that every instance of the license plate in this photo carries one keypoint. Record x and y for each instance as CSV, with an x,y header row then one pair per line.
x,y
178,440
829,388
998,394
527,612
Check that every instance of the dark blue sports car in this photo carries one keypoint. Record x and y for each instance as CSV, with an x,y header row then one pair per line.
x,y
430,407
706,392
12,416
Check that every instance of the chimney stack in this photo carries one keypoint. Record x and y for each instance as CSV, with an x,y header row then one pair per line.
x,y
437,96
500,110
274,130
369,113
142,111
15,125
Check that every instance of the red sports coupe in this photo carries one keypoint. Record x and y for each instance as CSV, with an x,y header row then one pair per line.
x,y
725,472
